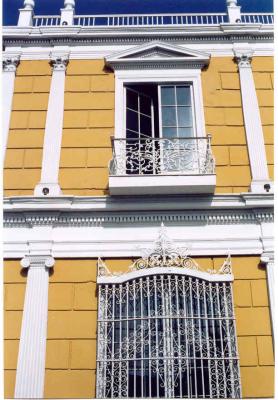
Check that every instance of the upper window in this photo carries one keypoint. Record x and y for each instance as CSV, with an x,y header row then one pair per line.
x,y
159,111
160,144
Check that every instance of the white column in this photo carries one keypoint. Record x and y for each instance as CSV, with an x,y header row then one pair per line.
x,y
67,13
32,347
49,185
10,63
233,11
253,125
26,14
267,258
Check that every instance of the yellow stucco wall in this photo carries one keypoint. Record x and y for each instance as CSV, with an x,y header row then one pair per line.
x,y
89,125
263,70
71,338
25,142
224,121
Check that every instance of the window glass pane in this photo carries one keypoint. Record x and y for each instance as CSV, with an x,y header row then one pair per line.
x,y
145,125
132,100
183,95
131,135
169,116
132,120
169,132
184,116
145,105
168,95
185,132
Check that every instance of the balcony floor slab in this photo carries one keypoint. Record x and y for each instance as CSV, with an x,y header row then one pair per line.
x,y
161,184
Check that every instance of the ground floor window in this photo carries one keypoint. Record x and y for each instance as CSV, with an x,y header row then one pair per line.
x,y
167,336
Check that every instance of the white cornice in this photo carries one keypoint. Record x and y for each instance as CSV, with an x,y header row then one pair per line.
x,y
102,50
97,211
223,33
150,203
70,219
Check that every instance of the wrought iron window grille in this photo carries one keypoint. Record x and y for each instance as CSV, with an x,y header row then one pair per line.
x,y
166,329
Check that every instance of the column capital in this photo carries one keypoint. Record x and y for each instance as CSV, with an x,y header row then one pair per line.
x,y
37,261
10,63
243,58
267,257
59,62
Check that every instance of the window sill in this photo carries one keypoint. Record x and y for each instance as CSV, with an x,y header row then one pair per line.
x,y
161,184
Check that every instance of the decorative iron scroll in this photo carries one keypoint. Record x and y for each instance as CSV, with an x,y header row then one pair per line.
x,y
165,254
186,156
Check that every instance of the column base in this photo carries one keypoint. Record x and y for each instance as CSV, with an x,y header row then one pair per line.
x,y
265,186
48,190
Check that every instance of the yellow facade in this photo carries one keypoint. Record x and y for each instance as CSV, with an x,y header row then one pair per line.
x,y
89,125
72,325
25,142
263,68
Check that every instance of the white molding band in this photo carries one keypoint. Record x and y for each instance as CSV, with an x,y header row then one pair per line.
x,y
49,185
32,347
10,63
267,258
252,120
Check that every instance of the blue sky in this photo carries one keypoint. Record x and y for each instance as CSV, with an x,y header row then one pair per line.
x,y
52,7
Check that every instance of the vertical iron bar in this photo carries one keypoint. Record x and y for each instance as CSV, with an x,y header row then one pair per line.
x,y
179,334
200,335
186,334
221,339
150,337
193,332
229,340
113,340
205,286
156,336
214,339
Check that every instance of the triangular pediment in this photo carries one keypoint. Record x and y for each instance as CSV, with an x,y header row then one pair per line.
x,y
158,54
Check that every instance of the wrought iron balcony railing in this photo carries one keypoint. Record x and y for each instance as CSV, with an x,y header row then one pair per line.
x,y
161,156
129,20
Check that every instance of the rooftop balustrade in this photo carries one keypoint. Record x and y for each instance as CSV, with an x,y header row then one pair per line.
x,y
149,20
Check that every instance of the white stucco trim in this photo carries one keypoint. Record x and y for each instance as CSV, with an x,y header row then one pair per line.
x,y
10,63
252,121
242,201
161,184
124,277
267,258
49,185
98,51
32,346
205,234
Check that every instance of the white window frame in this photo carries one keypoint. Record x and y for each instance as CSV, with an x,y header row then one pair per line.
x,y
173,76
